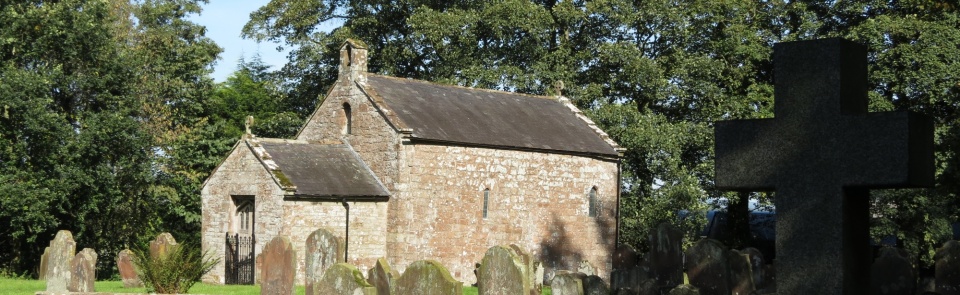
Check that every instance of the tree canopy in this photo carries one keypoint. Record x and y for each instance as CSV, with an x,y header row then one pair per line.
x,y
655,75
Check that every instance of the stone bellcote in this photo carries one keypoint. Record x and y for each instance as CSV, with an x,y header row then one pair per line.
x,y
353,61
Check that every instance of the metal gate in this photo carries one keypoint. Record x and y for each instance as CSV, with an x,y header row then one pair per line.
x,y
239,259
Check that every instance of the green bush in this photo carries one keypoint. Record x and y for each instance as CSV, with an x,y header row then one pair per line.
x,y
175,271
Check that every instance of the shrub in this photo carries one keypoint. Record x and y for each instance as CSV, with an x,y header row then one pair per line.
x,y
175,271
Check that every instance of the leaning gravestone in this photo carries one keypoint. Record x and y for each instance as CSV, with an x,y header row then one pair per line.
x,y
666,255
708,267
567,283
344,279
382,276
741,276
84,273
892,274
625,257
948,268
821,153
128,272
323,250
62,250
504,271
279,268
427,277
162,245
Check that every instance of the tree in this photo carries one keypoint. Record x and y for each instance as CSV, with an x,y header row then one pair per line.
x,y
655,75
89,90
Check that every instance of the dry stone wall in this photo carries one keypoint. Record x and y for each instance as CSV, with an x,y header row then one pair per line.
x,y
241,174
538,201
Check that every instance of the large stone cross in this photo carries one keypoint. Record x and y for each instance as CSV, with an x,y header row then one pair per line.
x,y
821,153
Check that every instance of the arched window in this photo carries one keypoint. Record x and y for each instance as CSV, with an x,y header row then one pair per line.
x,y
486,200
244,218
347,119
594,203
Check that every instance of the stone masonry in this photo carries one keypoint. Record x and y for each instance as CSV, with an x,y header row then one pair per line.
x,y
538,198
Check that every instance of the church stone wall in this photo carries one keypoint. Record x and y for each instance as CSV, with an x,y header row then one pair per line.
x,y
241,174
537,200
371,136
368,227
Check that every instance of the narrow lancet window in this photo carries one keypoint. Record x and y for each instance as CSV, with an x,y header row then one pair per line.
x,y
594,208
347,119
486,200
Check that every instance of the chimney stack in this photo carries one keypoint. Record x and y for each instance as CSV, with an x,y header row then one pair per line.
x,y
353,61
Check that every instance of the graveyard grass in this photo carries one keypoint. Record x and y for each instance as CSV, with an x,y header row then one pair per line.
x,y
22,286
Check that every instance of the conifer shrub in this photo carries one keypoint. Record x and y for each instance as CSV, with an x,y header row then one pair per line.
x,y
175,271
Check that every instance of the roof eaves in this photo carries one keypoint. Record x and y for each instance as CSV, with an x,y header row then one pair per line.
x,y
517,148
593,125
267,161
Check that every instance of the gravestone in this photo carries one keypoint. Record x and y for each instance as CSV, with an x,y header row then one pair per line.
x,y
279,267
382,276
625,257
666,256
530,265
741,276
92,253
708,267
892,274
821,153
427,277
128,272
757,265
504,271
62,250
42,273
83,266
948,268
685,290
343,279
323,249
586,268
567,283
594,285
162,245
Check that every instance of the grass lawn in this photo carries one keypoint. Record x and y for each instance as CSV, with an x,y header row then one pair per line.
x,y
26,287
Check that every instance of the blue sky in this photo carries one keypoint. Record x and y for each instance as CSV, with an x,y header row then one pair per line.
x,y
224,19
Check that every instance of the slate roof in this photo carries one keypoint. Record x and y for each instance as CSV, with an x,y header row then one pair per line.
x,y
485,117
319,170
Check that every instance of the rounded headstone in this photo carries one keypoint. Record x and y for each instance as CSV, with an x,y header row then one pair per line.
x,y
62,251
892,274
344,279
707,267
162,245
502,272
279,267
323,249
427,277
84,273
128,272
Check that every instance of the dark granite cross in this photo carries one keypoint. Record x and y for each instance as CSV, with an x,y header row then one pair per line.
x,y
821,153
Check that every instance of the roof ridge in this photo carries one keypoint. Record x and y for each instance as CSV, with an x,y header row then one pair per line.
x,y
547,97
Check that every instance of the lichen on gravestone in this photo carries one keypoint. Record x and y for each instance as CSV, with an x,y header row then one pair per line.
x,y
162,245
707,264
62,251
567,283
344,279
382,276
83,267
502,271
323,249
427,277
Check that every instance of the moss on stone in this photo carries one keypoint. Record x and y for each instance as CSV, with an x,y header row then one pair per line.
x,y
282,178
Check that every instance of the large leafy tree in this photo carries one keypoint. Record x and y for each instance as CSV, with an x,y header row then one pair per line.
x,y
654,74
91,91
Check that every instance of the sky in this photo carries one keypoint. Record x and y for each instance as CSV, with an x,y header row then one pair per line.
x,y
224,19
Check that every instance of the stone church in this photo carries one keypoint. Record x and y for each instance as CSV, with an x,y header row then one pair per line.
x,y
411,170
